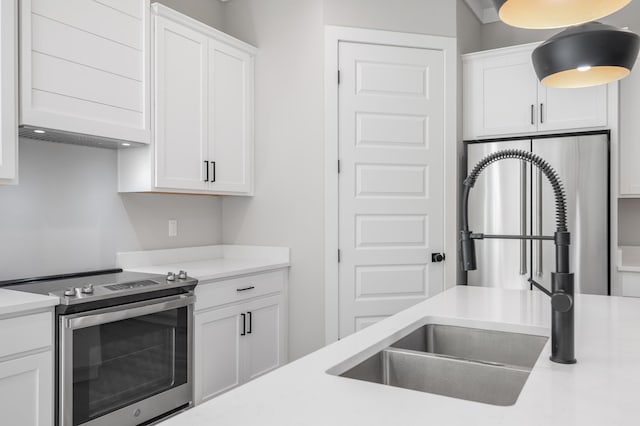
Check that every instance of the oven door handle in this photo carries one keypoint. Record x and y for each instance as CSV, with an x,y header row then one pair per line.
x,y
131,310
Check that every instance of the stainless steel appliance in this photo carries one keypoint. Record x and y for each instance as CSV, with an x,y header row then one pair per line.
x,y
124,346
511,198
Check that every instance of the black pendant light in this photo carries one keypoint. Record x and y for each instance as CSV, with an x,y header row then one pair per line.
x,y
541,14
586,55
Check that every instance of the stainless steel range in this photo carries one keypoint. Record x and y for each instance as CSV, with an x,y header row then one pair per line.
x,y
124,345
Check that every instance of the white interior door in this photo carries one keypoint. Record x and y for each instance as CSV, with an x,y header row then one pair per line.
x,y
391,128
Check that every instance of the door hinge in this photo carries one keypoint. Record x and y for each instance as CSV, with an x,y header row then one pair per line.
x,y
339,169
338,77
338,255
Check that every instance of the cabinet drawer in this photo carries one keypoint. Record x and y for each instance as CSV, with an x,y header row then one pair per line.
x,y
630,284
22,334
237,289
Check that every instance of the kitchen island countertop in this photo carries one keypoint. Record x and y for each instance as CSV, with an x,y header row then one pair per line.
x,y
601,389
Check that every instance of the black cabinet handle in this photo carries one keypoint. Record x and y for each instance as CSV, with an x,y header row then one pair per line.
x,y
206,167
213,166
250,322
541,113
244,325
245,289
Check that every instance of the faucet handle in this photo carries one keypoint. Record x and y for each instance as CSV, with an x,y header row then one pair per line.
x,y
561,301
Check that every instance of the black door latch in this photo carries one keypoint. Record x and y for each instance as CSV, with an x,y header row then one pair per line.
x,y
437,257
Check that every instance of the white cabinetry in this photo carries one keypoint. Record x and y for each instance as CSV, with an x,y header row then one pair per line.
x,y
203,122
630,133
502,96
240,331
8,98
26,370
84,67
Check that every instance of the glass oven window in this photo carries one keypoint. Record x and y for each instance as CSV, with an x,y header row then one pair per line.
x,y
120,363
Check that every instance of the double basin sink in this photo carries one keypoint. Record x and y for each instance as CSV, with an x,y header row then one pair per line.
x,y
467,363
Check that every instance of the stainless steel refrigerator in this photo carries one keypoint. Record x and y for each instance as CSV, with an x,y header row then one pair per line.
x,y
511,198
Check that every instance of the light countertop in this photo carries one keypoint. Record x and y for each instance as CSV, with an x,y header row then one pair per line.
x,y
601,389
14,302
206,263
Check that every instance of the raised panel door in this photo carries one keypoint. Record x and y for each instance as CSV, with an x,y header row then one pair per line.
x,y
505,92
181,114
391,215
231,118
26,390
8,99
630,133
218,352
562,109
265,336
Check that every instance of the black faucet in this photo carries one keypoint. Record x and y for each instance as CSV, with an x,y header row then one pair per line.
x,y
562,293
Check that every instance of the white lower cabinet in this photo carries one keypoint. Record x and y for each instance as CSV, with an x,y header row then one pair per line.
x,y
630,283
26,370
26,390
242,339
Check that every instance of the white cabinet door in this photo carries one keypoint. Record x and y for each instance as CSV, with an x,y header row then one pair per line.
x,y
630,133
181,115
8,101
562,109
26,390
218,352
84,67
266,343
231,118
504,95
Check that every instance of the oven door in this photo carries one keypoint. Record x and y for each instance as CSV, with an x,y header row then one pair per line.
x,y
127,364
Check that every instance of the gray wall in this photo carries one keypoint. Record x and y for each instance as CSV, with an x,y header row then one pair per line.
x,y
434,17
66,214
288,208
211,12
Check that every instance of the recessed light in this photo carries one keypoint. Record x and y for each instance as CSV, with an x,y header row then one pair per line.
x,y
125,144
40,132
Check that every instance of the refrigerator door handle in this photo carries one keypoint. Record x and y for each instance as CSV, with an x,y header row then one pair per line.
x,y
539,271
523,217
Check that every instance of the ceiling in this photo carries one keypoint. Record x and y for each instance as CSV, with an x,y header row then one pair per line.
x,y
484,10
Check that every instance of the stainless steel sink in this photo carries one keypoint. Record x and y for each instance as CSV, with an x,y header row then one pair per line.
x,y
475,343
466,363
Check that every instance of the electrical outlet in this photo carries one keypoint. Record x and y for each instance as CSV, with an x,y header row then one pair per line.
x,y
173,228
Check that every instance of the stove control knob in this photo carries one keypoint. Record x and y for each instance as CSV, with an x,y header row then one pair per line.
x,y
70,292
171,276
87,289
182,275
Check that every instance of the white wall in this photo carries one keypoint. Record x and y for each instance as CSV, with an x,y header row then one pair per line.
x,y
211,12
288,207
66,214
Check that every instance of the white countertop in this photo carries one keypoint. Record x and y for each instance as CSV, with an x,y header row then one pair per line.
x,y
601,389
15,302
206,263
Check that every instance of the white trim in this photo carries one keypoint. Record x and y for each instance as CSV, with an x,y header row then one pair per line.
x,y
333,35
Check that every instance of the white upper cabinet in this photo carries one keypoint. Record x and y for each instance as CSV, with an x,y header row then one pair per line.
x,y
8,98
630,134
181,117
84,67
203,121
502,96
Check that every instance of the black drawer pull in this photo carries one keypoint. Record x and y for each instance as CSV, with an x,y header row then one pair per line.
x,y
213,166
250,322
245,289
244,324
206,167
